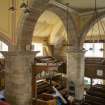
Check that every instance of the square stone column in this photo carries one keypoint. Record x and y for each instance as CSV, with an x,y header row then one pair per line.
x,y
75,72
18,77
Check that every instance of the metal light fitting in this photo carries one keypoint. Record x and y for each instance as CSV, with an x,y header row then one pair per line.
x,y
27,11
12,8
98,25
90,48
23,5
101,49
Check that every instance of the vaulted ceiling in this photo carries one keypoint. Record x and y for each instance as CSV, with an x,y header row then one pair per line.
x,y
77,5
50,25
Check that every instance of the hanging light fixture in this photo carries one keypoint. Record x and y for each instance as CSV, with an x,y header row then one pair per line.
x,y
12,7
99,23
66,15
99,26
67,18
67,27
12,10
92,40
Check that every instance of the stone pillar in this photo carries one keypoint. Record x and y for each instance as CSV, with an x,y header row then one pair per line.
x,y
18,77
75,71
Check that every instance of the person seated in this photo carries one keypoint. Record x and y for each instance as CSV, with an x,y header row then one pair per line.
x,y
2,95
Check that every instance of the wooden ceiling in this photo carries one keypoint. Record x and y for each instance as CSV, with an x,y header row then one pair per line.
x,y
50,25
84,4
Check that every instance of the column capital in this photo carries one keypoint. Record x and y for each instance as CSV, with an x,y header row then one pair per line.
x,y
15,53
75,50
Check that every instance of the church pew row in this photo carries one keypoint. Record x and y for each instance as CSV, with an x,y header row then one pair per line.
x,y
95,96
95,100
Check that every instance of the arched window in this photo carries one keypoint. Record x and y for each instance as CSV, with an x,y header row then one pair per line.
x,y
38,47
95,52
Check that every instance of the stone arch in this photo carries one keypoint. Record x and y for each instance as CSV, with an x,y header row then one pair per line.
x,y
88,26
29,21
5,39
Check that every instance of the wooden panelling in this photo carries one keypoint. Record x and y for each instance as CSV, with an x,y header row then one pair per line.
x,y
92,65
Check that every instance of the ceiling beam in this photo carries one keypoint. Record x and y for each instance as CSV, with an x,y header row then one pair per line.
x,y
62,6
71,9
91,12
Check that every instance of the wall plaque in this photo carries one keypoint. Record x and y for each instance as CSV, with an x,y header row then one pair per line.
x,y
99,72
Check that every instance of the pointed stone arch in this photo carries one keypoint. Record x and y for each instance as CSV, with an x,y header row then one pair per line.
x,y
6,40
28,23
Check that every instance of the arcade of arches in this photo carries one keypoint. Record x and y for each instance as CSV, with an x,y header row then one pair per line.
x,y
45,40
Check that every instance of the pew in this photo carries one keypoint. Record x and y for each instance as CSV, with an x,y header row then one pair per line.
x,y
95,96
44,87
86,104
96,93
46,64
95,99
